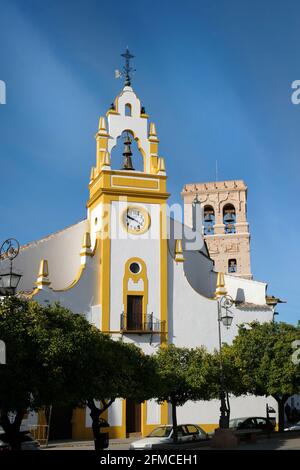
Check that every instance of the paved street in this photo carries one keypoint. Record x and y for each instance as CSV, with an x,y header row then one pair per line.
x,y
115,444
279,443
290,442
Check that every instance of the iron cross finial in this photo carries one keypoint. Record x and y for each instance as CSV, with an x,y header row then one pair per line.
x,y
126,71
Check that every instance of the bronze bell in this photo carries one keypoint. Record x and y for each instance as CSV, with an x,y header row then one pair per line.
x,y
127,162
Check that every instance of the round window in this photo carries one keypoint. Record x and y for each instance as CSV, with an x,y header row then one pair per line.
x,y
135,268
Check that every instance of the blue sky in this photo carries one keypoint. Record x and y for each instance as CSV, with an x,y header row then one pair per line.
x,y
214,76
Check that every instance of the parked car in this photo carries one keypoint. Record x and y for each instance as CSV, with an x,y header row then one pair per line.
x,y
4,446
255,423
27,440
163,435
293,427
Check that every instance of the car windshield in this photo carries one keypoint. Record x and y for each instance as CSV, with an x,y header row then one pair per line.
x,y
234,423
162,431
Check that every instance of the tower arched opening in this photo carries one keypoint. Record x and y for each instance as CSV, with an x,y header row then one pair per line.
x,y
229,218
208,220
126,155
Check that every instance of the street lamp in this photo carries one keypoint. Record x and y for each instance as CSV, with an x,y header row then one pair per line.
x,y
9,279
224,303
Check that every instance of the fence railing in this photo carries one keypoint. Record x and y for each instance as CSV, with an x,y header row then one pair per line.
x,y
40,432
141,323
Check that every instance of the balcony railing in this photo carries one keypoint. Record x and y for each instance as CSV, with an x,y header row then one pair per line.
x,y
140,324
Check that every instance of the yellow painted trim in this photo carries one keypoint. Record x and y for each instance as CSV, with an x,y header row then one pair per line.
x,y
208,427
142,275
33,293
116,432
79,431
74,282
163,272
144,418
112,111
139,196
105,269
123,427
41,417
135,182
43,283
97,244
146,217
135,173
102,184
133,196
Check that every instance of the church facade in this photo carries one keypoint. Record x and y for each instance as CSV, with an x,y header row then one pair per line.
x,y
139,275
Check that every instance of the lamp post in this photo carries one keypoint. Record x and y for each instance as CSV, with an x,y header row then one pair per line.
x,y
9,279
224,303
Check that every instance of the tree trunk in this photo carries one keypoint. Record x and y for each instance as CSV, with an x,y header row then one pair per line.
x,y
95,414
12,430
174,422
281,400
228,408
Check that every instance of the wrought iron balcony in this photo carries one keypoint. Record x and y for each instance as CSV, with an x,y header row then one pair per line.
x,y
141,324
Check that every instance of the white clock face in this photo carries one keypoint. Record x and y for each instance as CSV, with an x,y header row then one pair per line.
x,y
136,220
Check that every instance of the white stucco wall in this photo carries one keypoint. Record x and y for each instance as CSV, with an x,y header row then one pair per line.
x,y
61,249
153,412
246,290
193,317
119,122
83,297
208,412
115,413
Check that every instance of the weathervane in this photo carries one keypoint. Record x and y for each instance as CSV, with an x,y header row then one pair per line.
x,y
125,72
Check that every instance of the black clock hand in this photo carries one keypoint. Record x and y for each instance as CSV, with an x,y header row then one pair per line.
x,y
129,217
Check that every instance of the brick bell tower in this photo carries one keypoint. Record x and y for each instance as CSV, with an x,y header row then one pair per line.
x,y
225,226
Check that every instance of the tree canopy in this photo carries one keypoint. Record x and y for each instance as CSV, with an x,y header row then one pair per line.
x,y
262,354
56,357
183,375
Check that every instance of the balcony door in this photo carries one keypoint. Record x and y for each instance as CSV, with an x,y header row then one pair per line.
x,y
134,312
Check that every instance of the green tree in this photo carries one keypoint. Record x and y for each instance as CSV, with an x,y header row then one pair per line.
x,y
232,380
263,355
51,354
131,374
183,375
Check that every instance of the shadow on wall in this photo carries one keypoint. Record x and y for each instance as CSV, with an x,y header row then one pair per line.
x,y
240,295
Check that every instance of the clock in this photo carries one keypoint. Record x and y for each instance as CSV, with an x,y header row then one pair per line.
x,y
136,220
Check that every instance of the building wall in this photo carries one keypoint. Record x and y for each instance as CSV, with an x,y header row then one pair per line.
x,y
193,322
61,249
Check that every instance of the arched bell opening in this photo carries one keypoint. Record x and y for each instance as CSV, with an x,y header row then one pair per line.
x,y
208,220
229,218
125,154
128,109
232,266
